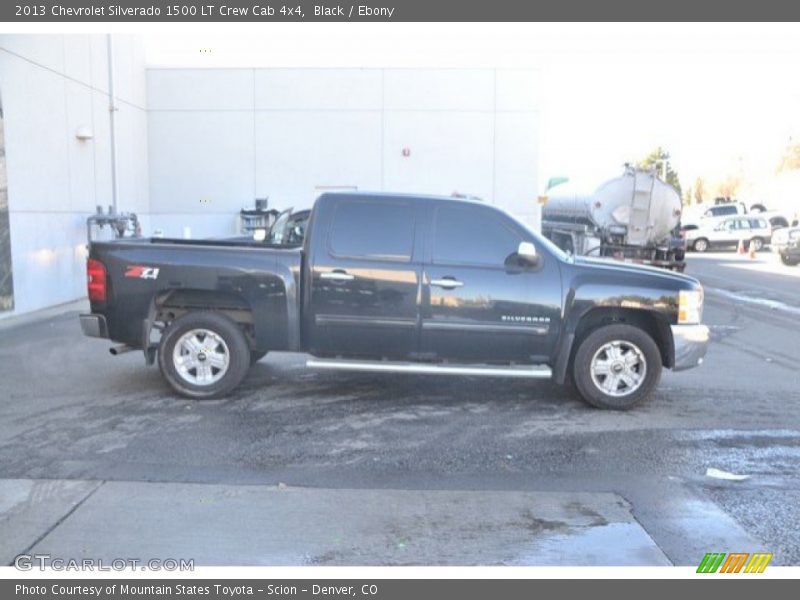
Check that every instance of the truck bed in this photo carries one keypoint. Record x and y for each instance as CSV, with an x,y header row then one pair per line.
x,y
148,275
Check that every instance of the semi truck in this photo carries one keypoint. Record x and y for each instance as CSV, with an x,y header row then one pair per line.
x,y
400,284
634,218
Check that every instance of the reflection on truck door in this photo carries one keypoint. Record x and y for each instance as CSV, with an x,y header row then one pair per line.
x,y
364,281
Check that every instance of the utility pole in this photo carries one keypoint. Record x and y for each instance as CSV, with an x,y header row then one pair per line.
x,y
112,109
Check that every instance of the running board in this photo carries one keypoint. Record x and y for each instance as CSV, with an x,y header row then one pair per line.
x,y
377,366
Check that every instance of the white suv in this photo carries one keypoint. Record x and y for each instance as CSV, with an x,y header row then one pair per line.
x,y
729,232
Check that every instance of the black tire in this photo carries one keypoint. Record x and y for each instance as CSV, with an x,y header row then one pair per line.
x,y
700,245
789,262
756,243
592,344
256,356
237,351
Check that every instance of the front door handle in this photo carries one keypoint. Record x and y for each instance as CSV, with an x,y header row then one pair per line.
x,y
447,283
337,275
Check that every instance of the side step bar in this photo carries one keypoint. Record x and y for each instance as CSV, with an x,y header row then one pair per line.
x,y
378,366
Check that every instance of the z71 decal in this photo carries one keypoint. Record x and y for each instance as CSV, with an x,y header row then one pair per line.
x,y
142,272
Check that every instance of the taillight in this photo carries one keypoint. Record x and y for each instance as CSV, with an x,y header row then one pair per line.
x,y
96,280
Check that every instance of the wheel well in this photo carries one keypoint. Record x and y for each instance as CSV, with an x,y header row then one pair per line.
x,y
654,325
175,303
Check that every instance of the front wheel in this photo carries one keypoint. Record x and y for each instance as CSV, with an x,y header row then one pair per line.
x,y
616,367
203,355
700,245
789,262
756,244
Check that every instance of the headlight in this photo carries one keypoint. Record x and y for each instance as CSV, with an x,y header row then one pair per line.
x,y
690,306
795,235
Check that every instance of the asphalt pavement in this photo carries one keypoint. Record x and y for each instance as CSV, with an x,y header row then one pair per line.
x,y
413,469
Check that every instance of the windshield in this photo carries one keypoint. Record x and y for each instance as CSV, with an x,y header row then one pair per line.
x,y
278,230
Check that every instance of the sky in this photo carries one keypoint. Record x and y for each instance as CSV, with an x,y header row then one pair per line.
x,y
724,99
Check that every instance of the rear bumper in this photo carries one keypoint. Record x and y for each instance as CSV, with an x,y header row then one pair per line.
x,y
691,343
94,326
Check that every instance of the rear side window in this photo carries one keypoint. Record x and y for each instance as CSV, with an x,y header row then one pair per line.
x,y
758,224
464,235
377,230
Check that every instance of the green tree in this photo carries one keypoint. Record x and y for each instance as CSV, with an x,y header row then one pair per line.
x,y
687,197
656,159
790,161
699,190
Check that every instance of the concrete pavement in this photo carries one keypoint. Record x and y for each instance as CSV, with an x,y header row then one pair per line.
x,y
280,525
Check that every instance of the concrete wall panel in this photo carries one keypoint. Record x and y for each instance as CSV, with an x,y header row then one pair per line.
x,y
314,89
200,161
200,89
51,86
298,151
449,152
439,89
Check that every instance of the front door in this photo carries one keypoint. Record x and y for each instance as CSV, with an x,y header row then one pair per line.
x,y
365,280
479,303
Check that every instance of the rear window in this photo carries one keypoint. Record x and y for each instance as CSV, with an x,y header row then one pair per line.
x,y
377,230
724,210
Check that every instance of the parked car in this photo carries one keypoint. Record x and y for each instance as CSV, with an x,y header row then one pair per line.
x,y
724,210
729,232
786,244
397,283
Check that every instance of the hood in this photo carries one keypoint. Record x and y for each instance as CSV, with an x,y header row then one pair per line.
x,y
784,233
600,264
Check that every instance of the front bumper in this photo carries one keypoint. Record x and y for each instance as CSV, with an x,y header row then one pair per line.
x,y
690,343
94,326
788,250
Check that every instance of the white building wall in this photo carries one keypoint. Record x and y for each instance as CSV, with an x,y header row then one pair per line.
x,y
50,86
218,138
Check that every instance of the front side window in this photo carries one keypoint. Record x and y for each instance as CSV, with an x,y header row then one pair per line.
x,y
373,230
466,235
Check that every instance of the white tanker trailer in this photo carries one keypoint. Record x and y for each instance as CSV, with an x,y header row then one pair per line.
x,y
633,217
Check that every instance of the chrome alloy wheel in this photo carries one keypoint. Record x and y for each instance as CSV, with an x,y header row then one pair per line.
x,y
618,368
201,357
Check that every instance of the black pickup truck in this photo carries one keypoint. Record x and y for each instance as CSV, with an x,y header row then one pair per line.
x,y
396,283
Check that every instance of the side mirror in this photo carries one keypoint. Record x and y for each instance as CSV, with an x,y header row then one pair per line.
x,y
260,234
527,253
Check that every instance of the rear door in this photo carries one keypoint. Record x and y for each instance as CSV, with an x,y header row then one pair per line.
x,y
743,230
479,304
364,278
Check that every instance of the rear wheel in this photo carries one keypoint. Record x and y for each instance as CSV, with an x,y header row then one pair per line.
x,y
616,367
756,244
203,355
700,245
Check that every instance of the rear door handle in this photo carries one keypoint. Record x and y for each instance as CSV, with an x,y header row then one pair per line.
x,y
337,275
447,283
